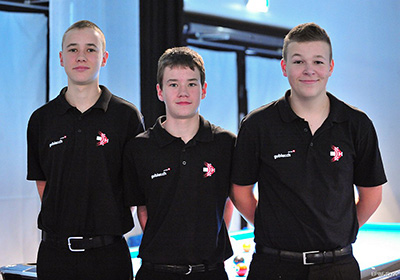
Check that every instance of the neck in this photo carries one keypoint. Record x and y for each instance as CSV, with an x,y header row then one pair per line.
x,y
185,129
82,97
314,110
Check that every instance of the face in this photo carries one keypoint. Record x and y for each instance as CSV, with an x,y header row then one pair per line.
x,y
181,92
308,68
82,56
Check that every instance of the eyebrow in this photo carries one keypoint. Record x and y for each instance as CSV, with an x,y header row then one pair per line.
x,y
175,80
76,44
315,56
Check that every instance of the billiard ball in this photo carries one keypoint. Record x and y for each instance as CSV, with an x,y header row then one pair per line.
x,y
238,259
246,247
241,269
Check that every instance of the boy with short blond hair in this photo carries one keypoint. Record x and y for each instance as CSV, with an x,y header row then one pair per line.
x,y
306,151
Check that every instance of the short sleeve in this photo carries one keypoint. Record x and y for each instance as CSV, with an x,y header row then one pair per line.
x,y
245,166
369,170
133,194
35,171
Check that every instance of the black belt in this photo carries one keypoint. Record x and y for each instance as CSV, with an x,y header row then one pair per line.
x,y
80,243
307,258
182,269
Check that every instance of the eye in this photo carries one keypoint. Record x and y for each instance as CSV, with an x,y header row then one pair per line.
x,y
91,50
319,62
192,84
72,50
173,85
297,62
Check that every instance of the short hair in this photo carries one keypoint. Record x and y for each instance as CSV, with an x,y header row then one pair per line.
x,y
306,32
85,24
180,56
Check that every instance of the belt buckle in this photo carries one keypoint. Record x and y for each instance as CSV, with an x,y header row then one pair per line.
x,y
69,243
189,270
305,257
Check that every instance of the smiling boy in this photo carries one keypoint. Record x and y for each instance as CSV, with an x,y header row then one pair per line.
x,y
306,151
75,145
178,174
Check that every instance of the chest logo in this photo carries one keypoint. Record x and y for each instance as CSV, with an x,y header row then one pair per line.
x,y
336,154
162,174
102,138
58,142
208,169
287,155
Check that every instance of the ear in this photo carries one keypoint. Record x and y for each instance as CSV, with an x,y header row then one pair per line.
x,y
159,93
204,91
331,66
105,57
61,59
283,66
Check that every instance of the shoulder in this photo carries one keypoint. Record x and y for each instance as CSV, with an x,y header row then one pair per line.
x,y
122,104
137,142
357,121
45,110
351,113
126,110
210,131
116,102
141,139
265,113
221,132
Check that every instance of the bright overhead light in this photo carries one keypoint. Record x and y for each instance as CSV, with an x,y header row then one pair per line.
x,y
257,5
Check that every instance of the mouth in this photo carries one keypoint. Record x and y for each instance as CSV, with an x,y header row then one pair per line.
x,y
309,82
80,68
183,103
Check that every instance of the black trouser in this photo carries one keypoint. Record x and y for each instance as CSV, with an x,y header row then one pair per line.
x,y
265,267
148,274
111,262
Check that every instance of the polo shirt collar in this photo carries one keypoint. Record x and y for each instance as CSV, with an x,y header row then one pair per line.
x,y
338,112
163,138
102,103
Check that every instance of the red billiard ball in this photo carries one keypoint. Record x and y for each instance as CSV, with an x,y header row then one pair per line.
x,y
241,269
238,259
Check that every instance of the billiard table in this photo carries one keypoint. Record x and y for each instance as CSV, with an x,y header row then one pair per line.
x,y
377,250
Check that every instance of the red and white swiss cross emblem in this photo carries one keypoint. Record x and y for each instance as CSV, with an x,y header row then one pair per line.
x,y
208,169
102,139
336,154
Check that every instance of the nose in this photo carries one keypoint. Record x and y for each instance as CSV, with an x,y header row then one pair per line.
x,y
81,56
183,92
308,69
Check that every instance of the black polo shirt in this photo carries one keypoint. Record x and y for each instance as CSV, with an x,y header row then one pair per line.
x,y
184,187
79,155
305,181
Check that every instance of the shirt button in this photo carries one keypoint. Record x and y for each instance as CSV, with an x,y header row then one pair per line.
x,y
311,144
306,129
79,130
184,162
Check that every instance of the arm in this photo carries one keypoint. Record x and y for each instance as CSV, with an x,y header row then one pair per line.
x,y
368,202
142,216
228,213
40,187
244,200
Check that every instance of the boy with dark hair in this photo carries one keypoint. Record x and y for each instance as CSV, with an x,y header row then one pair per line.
x,y
306,151
178,174
75,145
